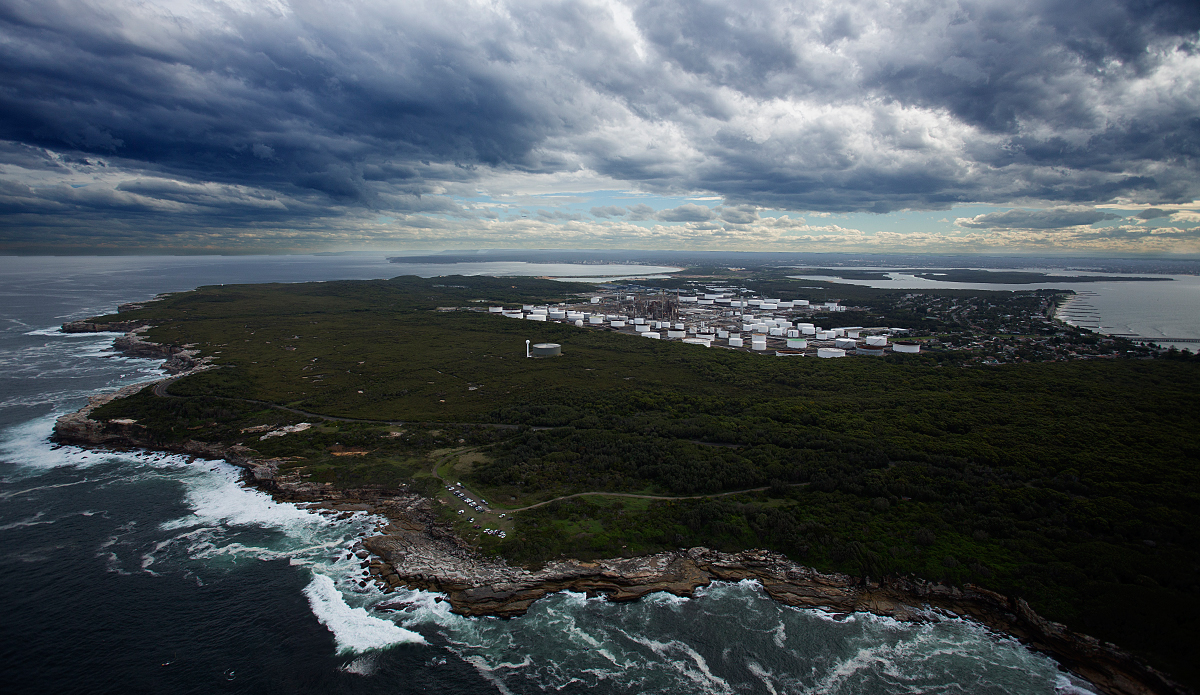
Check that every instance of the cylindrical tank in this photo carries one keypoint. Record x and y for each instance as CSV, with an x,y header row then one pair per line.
x,y
766,305
845,343
596,320
797,343
595,300
641,328
495,310
679,327
830,352
722,334
536,317
545,350
676,334
651,334
864,349
639,321
758,345
776,331
735,342
906,346
876,340
696,341
558,315
617,324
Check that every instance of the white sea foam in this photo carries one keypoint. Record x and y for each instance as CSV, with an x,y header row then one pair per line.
x,y
217,498
354,629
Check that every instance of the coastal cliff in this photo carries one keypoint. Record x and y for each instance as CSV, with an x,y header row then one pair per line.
x,y
416,550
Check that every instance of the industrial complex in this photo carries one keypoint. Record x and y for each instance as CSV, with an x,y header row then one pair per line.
x,y
722,318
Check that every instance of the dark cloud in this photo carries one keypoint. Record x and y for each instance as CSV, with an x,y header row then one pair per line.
x,y
609,211
689,212
1152,214
1052,218
641,211
327,110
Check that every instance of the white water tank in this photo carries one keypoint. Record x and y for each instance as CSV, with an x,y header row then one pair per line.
x,y
651,334
579,323
797,343
595,300
722,334
801,302
596,320
495,310
696,341
908,347
536,317
676,334
845,343
766,305
830,352
776,331
758,345
689,300
641,328
639,321
735,342
876,340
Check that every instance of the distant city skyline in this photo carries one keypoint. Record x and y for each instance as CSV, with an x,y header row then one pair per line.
x,y
187,126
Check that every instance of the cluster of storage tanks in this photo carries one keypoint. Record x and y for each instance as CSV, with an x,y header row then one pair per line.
x,y
736,329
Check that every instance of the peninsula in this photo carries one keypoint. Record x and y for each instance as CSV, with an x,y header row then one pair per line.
x,y
1062,488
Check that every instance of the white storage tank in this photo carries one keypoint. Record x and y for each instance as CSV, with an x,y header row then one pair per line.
x,y
872,350
679,327
697,341
689,300
793,333
595,300
527,307
800,302
845,343
776,331
639,321
735,342
676,334
767,305
536,317
641,328
579,323
705,301
495,310
906,346
651,334
545,350
617,324
758,344
876,340
722,334
596,320
797,343
786,305
830,352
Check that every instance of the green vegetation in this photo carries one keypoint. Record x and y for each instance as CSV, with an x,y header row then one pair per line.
x,y
1072,484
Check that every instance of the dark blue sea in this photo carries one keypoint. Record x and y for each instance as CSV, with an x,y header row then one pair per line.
x,y
127,573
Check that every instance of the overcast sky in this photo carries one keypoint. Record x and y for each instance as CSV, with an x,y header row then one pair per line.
x,y
296,125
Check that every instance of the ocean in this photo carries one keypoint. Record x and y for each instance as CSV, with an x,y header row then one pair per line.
x,y
147,573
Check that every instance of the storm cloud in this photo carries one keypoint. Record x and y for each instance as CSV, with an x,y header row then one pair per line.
x,y
304,115
1052,218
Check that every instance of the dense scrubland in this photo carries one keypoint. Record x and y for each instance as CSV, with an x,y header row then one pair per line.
x,y
1072,484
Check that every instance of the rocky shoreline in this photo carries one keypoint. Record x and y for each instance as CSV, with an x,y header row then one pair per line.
x,y
415,550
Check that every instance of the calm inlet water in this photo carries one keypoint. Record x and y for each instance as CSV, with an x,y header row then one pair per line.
x,y
147,573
